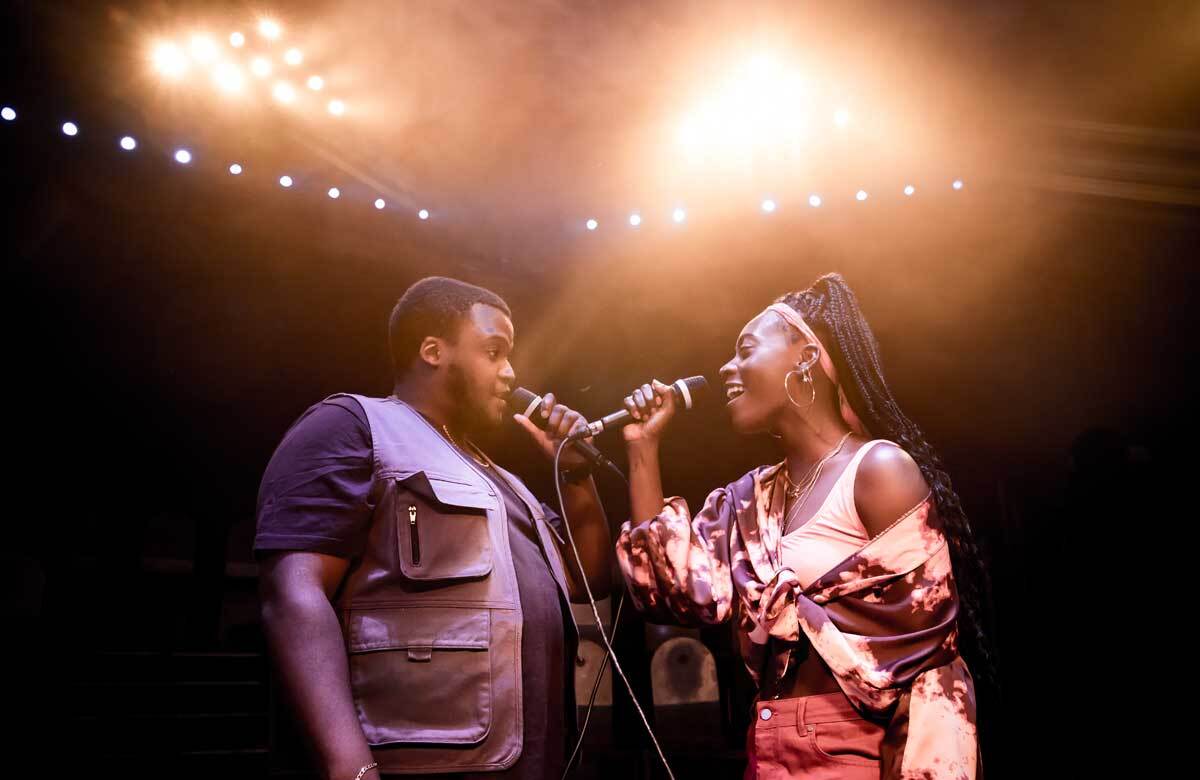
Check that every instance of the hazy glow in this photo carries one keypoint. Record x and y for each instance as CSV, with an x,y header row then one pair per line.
x,y
8,113
762,105
335,193
315,83
235,169
679,215
169,60
592,224
203,49
69,128
183,156
958,185
635,219
768,205
269,29
293,57
379,203
237,40
128,143
862,195
841,117
285,181
228,77
337,107
261,67
284,92
423,214
814,201
909,190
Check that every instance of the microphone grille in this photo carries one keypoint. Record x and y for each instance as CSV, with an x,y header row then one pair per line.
x,y
523,401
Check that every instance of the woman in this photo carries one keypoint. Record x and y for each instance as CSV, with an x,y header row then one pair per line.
x,y
849,568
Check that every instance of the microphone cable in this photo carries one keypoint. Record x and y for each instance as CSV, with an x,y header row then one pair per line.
x,y
599,627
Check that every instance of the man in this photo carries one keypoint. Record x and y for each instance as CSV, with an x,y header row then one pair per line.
x,y
413,592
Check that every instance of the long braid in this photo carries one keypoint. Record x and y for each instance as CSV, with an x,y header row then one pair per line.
x,y
831,308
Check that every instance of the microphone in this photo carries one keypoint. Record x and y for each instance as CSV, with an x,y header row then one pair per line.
x,y
526,402
685,391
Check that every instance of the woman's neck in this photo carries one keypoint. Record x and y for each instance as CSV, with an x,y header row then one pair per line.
x,y
806,440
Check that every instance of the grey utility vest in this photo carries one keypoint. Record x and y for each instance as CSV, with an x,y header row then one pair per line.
x,y
431,613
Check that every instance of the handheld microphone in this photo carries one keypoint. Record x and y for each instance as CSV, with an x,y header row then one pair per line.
x,y
526,402
685,391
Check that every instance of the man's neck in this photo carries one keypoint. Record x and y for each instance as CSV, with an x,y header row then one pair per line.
x,y
439,415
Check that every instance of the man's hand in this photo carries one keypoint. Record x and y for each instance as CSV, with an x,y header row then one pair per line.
x,y
561,422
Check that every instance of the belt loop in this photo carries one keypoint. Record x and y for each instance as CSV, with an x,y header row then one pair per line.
x,y
802,713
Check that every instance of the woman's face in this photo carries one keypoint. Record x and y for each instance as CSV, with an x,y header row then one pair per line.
x,y
763,355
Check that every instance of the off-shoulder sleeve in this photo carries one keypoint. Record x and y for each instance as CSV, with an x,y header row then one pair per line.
x,y
677,566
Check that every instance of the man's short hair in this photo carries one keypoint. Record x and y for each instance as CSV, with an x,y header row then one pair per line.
x,y
434,306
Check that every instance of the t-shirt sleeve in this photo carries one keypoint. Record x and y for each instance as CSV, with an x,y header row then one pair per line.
x,y
553,519
316,492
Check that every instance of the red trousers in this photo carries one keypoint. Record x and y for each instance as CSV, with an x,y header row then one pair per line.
x,y
818,737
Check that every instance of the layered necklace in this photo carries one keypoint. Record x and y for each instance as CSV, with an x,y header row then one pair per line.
x,y
798,493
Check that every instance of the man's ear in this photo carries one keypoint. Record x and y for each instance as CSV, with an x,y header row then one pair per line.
x,y
432,351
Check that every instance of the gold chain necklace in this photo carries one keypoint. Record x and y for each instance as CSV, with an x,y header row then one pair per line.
x,y
485,463
808,485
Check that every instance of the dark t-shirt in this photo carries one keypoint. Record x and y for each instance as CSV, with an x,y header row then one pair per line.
x,y
315,496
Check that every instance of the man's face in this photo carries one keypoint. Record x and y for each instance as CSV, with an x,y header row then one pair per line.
x,y
480,376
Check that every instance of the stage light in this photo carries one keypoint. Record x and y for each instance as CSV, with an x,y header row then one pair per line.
x,y
285,181
423,214
379,204
261,67
203,49
315,83
768,205
269,29
237,40
862,195
8,114
235,169
284,92
228,77
814,201
293,57
128,143
169,60
337,107
958,185
69,128
183,156
334,193
679,215
909,190
841,117
592,224
635,219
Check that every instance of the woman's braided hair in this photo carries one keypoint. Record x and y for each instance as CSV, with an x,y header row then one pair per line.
x,y
832,310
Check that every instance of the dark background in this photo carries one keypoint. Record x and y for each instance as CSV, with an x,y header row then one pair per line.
x,y
166,324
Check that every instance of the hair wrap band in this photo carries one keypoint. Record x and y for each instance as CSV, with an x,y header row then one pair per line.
x,y
793,318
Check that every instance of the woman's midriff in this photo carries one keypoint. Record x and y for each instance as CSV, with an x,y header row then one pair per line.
x,y
807,675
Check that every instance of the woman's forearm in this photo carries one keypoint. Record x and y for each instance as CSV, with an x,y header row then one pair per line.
x,y
645,480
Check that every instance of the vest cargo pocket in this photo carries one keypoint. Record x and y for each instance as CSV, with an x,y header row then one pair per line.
x,y
442,526
421,674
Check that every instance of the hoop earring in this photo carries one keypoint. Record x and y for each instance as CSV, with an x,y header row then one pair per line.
x,y
808,381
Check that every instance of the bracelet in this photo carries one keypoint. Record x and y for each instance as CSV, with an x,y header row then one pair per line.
x,y
366,769
576,475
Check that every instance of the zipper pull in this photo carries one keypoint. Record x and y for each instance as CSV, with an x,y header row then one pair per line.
x,y
413,537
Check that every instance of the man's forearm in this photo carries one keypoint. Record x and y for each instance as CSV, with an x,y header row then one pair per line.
x,y
306,643
589,527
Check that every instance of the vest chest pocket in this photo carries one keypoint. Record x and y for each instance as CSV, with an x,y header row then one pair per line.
x,y
442,528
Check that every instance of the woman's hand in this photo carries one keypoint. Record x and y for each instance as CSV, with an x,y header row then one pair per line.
x,y
652,406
